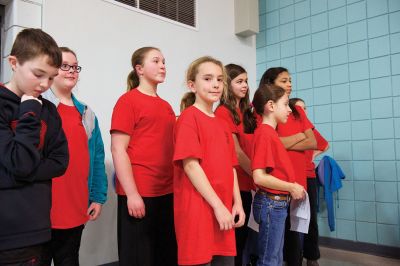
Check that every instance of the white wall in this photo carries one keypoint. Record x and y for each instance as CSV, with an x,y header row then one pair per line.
x,y
104,36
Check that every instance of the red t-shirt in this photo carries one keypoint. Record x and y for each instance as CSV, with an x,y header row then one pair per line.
x,y
208,139
321,145
245,142
269,153
70,193
149,121
298,158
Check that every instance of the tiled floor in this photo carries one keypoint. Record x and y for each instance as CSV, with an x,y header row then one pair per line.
x,y
336,257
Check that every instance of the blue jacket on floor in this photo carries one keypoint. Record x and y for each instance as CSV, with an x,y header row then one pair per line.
x,y
329,176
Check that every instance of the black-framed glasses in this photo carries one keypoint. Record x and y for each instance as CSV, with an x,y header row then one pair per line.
x,y
66,67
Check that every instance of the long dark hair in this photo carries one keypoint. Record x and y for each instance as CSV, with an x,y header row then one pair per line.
x,y
229,99
270,76
292,105
265,93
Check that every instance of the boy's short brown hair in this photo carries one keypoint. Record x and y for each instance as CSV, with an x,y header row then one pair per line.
x,y
31,43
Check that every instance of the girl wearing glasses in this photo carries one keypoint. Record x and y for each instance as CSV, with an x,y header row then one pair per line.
x,y
78,195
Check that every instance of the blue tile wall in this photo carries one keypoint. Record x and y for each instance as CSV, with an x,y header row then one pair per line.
x,y
362,150
303,27
387,213
359,90
363,170
319,22
339,74
382,128
361,130
320,40
384,149
340,93
394,19
320,59
346,229
379,67
388,235
381,87
365,211
338,55
337,17
387,192
354,13
385,171
357,31
358,51
318,6
366,232
394,5
375,8
379,46
336,3
395,64
272,20
378,26
302,10
337,36
322,95
344,56
382,107
341,112
396,85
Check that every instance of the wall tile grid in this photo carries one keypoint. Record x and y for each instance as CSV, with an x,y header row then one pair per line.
x,y
344,58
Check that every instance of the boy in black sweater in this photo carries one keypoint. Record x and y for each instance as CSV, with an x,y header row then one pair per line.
x,y
33,149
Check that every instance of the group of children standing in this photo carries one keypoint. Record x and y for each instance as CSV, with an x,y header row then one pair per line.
x,y
184,186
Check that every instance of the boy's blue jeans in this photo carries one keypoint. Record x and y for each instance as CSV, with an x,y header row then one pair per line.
x,y
270,215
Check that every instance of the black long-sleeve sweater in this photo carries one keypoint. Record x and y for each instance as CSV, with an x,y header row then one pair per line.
x,y
33,150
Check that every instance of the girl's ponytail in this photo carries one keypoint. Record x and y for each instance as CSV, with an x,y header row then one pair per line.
x,y
132,80
249,121
187,100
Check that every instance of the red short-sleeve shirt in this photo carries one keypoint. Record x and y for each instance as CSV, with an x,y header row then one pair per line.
x,y
291,127
70,193
321,145
208,139
245,142
149,121
270,154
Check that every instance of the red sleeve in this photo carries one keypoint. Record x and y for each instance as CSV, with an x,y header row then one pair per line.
x,y
321,142
187,144
262,157
235,161
123,117
306,124
223,113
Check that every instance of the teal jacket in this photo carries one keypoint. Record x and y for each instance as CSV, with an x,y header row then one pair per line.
x,y
97,180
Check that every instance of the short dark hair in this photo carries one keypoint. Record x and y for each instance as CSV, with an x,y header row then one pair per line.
x,y
31,43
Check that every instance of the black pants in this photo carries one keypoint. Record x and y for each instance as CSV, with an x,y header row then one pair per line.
x,y
64,246
220,261
151,240
27,256
242,232
311,247
293,246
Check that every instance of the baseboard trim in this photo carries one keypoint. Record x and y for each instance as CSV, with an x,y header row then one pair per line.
x,y
110,264
373,249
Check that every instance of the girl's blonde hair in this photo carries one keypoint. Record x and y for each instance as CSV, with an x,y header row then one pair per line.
x,y
193,69
137,59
